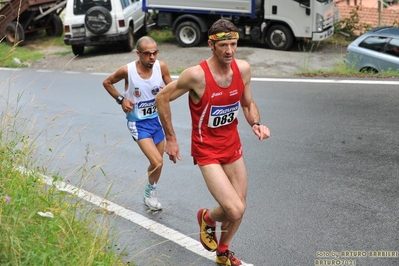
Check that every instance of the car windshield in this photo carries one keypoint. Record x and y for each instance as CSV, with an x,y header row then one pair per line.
x,y
80,7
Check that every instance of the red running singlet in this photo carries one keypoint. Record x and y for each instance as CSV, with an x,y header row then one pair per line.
x,y
214,119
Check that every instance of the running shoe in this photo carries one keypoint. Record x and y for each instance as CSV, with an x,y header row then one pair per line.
x,y
150,198
208,236
227,258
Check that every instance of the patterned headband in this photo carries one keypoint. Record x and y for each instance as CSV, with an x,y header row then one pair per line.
x,y
222,36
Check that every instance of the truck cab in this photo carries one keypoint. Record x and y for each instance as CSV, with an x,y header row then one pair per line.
x,y
277,23
297,19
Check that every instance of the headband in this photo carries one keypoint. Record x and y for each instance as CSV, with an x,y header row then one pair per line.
x,y
222,36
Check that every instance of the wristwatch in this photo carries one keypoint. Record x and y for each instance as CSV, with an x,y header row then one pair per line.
x,y
120,99
255,123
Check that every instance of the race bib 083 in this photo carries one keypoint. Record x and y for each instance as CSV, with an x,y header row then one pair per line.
x,y
223,115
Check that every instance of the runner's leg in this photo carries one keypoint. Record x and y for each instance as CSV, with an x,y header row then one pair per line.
x,y
154,154
228,185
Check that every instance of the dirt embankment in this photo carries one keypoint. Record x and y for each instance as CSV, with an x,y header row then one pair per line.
x,y
264,62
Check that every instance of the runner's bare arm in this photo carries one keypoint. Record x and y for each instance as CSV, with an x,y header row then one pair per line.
x,y
165,73
250,109
115,77
108,83
172,91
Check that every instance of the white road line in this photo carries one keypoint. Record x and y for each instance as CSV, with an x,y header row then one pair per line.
x,y
307,80
154,227
304,80
9,68
341,81
100,74
44,70
71,72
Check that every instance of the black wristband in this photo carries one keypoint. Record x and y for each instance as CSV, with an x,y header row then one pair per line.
x,y
120,99
255,123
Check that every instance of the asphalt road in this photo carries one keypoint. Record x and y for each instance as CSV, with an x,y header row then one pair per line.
x,y
325,183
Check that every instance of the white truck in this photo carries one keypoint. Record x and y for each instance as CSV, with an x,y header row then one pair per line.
x,y
274,22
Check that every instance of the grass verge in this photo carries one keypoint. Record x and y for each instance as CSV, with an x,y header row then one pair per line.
x,y
40,225
16,55
162,36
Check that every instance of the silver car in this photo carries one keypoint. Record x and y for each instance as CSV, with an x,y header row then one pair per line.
x,y
375,51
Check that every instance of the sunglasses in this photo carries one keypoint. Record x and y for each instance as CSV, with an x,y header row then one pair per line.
x,y
149,53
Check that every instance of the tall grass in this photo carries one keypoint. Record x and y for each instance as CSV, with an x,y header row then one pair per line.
x,y
40,225
13,56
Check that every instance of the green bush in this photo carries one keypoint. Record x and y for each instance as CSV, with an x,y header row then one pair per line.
x,y
352,26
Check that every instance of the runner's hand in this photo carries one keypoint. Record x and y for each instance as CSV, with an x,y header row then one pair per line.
x,y
261,131
127,105
172,149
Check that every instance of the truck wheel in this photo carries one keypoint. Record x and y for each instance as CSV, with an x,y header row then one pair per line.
x,y
279,37
98,20
14,33
128,44
78,49
56,26
188,34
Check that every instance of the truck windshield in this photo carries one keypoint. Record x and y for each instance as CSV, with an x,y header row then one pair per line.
x,y
307,2
303,2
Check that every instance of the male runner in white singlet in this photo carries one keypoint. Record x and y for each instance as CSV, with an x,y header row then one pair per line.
x,y
144,78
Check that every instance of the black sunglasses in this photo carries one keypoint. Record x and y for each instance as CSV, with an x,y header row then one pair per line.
x,y
149,53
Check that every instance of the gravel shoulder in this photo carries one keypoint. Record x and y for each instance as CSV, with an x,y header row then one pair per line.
x,y
264,62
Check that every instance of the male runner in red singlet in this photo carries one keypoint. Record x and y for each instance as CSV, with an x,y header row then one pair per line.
x,y
143,80
217,87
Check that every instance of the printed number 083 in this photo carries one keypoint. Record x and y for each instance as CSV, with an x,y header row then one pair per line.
x,y
222,120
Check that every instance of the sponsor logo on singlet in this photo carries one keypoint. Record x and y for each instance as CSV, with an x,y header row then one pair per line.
x,y
155,90
137,92
146,108
233,92
221,115
216,94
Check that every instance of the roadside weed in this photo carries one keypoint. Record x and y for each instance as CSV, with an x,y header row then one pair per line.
x,y
40,225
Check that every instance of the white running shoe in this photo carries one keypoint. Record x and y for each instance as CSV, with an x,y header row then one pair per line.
x,y
150,198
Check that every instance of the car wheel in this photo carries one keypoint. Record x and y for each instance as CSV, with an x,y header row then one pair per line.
x,y
147,21
78,49
56,26
14,33
128,44
188,34
279,37
369,70
98,20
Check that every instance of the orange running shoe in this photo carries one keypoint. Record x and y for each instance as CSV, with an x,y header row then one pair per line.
x,y
208,236
227,258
